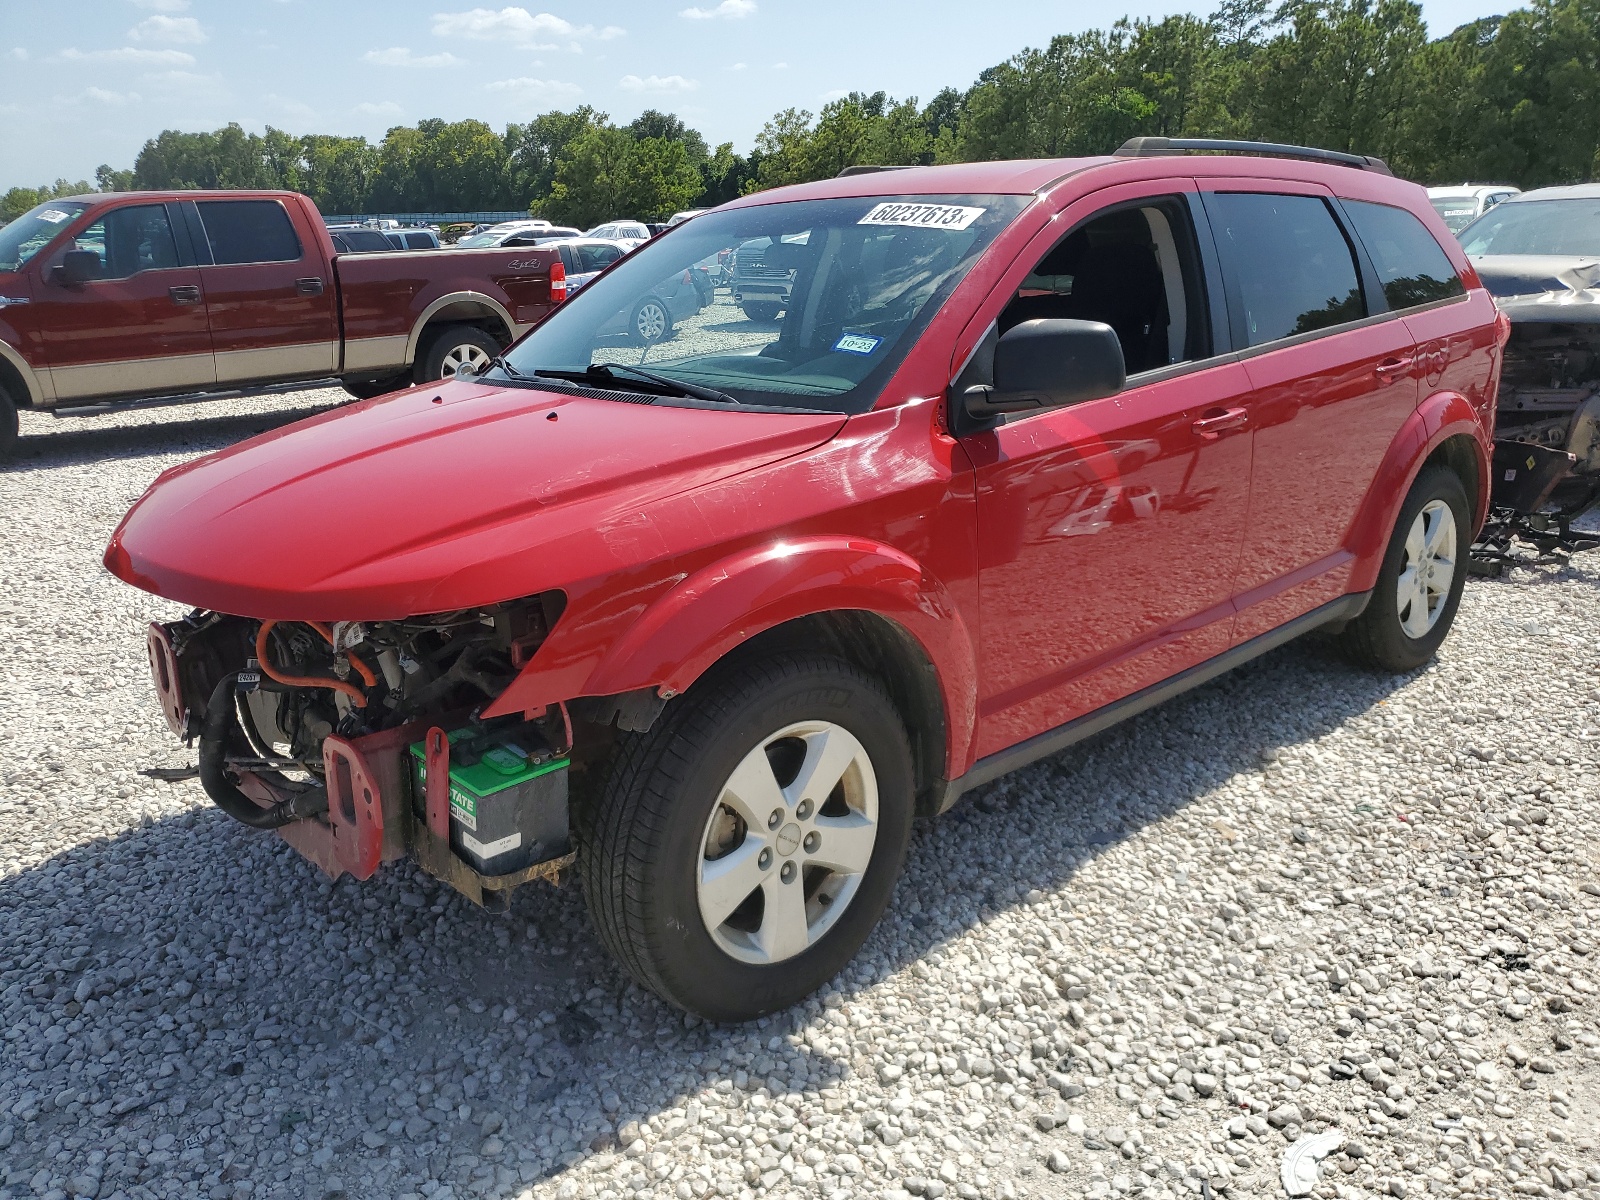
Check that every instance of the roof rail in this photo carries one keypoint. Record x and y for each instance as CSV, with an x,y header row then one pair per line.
x,y
1155,147
872,169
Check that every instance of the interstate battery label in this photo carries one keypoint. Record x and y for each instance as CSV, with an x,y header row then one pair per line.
x,y
922,216
464,808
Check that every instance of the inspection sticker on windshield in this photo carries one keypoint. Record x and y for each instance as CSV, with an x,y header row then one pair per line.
x,y
54,215
922,216
857,343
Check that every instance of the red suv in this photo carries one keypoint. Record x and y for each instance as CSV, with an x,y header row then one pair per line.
x,y
1030,447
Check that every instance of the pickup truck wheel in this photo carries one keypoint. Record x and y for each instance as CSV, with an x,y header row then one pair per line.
x,y
454,347
764,311
10,429
741,851
650,323
1419,585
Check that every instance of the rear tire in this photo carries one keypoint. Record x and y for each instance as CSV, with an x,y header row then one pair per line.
x,y
763,311
650,323
1419,585
10,427
722,778
453,346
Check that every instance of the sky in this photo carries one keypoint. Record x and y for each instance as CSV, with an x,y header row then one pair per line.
x,y
88,81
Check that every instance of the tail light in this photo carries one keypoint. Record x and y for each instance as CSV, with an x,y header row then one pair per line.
x,y
688,276
558,282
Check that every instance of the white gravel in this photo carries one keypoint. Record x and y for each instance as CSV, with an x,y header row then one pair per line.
x,y
1301,898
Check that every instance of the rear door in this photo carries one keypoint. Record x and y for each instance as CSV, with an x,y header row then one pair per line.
x,y
139,328
1332,382
268,295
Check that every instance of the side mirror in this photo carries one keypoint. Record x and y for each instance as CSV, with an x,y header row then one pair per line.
x,y
1049,364
78,266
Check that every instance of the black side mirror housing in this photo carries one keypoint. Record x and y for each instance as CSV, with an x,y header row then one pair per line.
x,y
78,266
1049,364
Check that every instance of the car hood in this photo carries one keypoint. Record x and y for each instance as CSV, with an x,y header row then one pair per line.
x,y
1530,274
434,499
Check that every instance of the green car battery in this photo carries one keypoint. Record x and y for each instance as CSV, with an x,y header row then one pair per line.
x,y
508,798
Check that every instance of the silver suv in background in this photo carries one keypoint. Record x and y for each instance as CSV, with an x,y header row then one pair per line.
x,y
1463,204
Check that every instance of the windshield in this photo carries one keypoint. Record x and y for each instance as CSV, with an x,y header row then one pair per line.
x,y
479,240
32,231
1561,227
1457,211
809,304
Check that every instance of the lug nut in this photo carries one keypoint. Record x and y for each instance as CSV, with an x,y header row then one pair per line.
x,y
765,859
813,840
804,810
788,872
775,819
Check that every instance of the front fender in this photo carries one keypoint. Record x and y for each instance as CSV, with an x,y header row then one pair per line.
x,y
711,611
1441,416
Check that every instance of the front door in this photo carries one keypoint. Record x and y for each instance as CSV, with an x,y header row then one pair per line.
x,y
1331,387
270,296
138,328
1109,531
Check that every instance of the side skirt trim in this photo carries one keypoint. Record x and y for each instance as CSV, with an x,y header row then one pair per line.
x,y
1053,741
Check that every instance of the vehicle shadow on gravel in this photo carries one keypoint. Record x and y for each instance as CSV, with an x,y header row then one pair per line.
x,y
193,1000
66,441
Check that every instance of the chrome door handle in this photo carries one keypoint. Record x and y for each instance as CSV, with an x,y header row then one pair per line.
x,y
310,286
1394,366
186,293
1217,421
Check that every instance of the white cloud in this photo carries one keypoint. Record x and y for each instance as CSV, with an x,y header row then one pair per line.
x,y
730,9
19,53
399,56
780,66
657,83
738,67
835,94
129,54
183,31
115,98
166,6
387,108
291,107
527,86
518,27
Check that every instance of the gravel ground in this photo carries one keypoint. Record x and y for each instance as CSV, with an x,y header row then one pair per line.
x,y
1301,898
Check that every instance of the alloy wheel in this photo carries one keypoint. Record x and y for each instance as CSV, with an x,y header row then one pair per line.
x,y
650,322
475,358
788,842
1428,570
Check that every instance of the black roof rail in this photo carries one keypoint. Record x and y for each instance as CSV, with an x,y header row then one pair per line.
x,y
1155,147
872,168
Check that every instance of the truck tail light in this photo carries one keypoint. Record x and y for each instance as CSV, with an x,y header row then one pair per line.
x,y
558,282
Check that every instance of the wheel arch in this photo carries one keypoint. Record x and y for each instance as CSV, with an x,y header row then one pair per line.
x,y
461,308
20,381
1445,428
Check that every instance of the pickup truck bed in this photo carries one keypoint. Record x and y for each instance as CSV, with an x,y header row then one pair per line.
x,y
120,299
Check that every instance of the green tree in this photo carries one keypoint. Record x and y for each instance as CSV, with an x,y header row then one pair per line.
x,y
591,179
534,149
339,172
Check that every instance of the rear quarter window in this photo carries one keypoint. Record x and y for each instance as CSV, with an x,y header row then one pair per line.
x,y
248,231
1288,266
1410,264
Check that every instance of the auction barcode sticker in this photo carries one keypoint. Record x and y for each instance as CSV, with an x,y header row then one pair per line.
x,y
922,216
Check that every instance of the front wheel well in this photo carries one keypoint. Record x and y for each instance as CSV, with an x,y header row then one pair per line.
x,y
887,652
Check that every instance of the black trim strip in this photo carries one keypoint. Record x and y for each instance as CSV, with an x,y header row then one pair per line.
x,y
1053,741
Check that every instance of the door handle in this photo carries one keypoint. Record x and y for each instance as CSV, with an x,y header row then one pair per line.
x,y
1217,421
309,286
185,293
1393,366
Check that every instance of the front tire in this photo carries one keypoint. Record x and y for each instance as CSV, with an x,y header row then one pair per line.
x,y
1419,585
10,427
741,851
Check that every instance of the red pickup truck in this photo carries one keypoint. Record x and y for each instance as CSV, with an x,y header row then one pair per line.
x,y
118,299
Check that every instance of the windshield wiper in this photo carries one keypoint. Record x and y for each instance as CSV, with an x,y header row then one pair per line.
x,y
505,366
605,372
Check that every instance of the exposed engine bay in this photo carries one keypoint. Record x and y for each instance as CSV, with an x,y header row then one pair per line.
x,y
370,731
1547,430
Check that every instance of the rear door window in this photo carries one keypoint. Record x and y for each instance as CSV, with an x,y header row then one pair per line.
x,y
1410,264
598,258
1288,267
248,231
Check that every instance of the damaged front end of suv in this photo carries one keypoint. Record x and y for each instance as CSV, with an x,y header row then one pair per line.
x,y
363,742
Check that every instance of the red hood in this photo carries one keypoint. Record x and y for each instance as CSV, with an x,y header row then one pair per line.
x,y
434,499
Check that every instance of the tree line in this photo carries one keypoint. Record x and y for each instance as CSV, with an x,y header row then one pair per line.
x,y
1514,98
